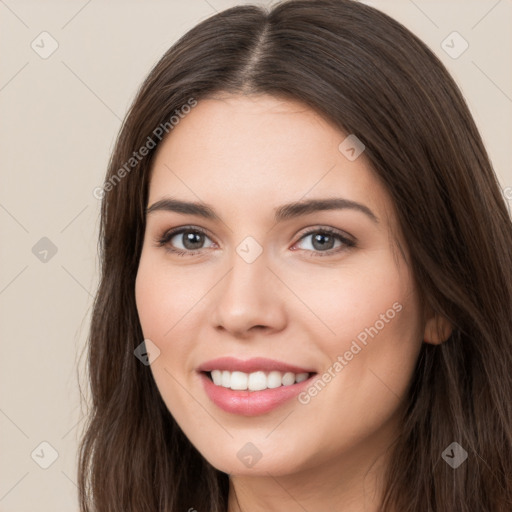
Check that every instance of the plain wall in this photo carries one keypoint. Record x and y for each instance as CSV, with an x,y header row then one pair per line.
x,y
59,119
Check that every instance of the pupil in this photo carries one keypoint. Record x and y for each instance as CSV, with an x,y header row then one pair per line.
x,y
320,239
192,238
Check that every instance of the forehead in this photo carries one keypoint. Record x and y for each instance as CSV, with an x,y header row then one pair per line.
x,y
241,153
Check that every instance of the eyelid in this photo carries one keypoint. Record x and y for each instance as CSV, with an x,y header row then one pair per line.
x,y
327,229
168,234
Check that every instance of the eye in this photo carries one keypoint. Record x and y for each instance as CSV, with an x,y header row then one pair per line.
x,y
324,241
191,239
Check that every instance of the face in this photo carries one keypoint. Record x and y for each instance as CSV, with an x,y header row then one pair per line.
x,y
323,295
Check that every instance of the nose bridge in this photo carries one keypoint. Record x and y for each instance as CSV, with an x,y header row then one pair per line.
x,y
249,270
243,299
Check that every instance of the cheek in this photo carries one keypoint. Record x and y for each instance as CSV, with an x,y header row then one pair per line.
x,y
374,331
147,294
366,291
171,306
164,295
163,298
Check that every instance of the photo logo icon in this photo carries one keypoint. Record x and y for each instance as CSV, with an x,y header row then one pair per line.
x,y
249,455
45,45
146,352
249,249
454,45
454,455
44,250
351,147
44,455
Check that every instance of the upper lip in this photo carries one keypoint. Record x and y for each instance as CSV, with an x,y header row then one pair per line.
x,y
250,365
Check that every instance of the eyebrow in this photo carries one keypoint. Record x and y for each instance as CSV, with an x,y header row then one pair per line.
x,y
281,213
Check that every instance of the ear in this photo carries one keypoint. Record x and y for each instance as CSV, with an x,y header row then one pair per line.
x,y
437,329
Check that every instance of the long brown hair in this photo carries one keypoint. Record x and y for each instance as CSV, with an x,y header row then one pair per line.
x,y
373,78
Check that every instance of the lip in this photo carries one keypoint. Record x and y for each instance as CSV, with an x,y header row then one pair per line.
x,y
251,403
255,364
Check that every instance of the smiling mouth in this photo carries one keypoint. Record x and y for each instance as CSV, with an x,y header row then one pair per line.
x,y
255,381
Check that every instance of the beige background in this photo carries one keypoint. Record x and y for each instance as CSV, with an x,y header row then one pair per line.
x,y
59,118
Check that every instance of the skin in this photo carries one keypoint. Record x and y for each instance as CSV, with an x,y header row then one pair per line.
x,y
245,156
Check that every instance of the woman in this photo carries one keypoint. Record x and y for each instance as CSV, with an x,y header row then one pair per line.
x,y
334,332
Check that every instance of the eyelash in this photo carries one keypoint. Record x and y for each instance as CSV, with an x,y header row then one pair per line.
x,y
168,235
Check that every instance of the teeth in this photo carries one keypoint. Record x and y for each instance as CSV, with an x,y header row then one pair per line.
x,y
255,381
274,380
239,380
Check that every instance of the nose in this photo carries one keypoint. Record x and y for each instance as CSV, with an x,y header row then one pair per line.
x,y
250,298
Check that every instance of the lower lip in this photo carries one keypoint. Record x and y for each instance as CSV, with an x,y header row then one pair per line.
x,y
251,403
